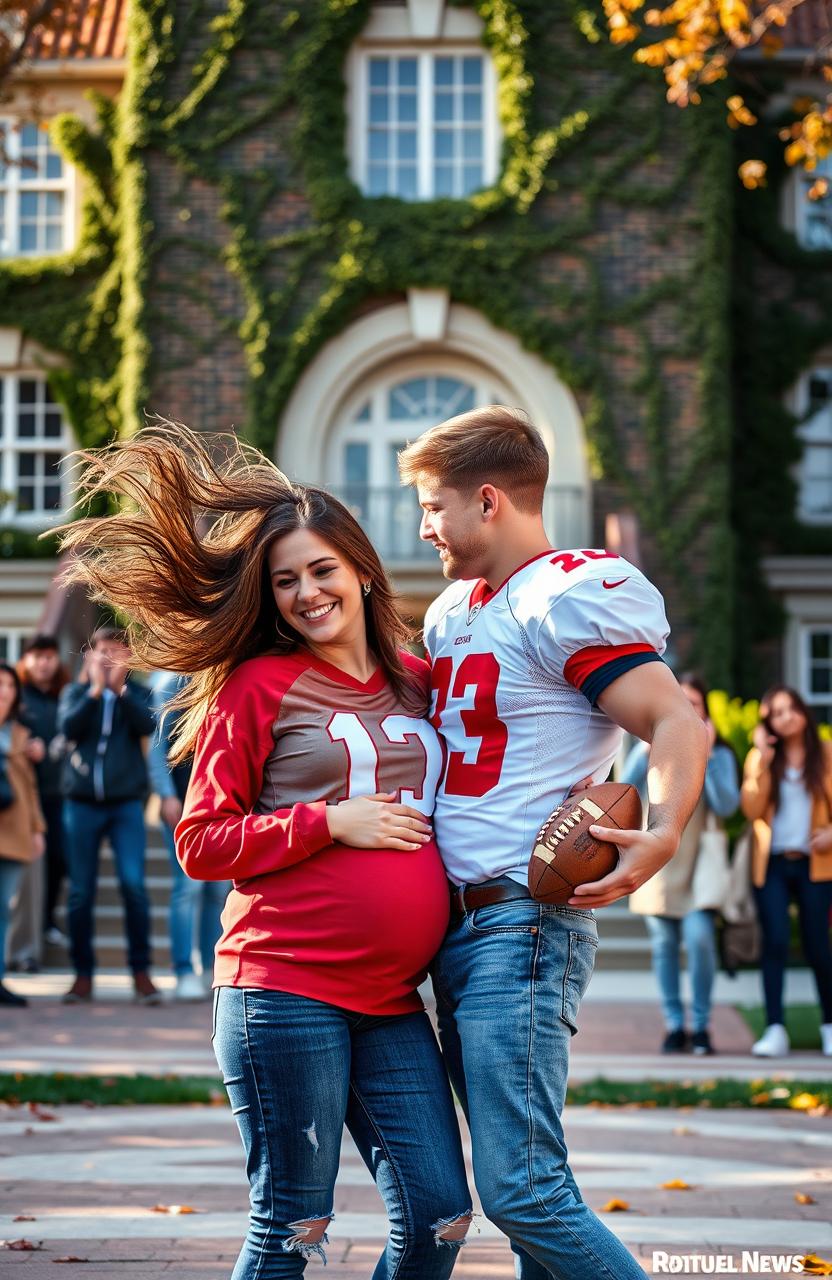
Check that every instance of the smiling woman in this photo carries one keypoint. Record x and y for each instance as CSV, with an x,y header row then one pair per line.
x,y
313,782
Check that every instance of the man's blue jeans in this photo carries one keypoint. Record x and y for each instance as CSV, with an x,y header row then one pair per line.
x,y
86,824
11,873
509,981
297,1070
666,934
195,910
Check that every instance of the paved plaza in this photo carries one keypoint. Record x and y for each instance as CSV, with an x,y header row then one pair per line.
x,y
83,1182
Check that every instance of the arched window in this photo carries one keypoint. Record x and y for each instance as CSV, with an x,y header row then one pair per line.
x,y
377,422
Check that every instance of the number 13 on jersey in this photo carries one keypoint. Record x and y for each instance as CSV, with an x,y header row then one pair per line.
x,y
475,685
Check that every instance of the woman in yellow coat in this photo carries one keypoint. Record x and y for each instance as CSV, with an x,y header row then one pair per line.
x,y
21,821
787,795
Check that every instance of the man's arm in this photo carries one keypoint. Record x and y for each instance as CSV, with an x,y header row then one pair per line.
x,y
648,703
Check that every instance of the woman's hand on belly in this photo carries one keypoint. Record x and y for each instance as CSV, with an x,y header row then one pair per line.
x,y
378,822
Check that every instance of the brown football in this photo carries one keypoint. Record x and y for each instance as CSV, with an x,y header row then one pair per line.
x,y
565,854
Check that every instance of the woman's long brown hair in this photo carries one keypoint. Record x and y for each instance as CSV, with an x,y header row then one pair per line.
x,y
813,768
185,560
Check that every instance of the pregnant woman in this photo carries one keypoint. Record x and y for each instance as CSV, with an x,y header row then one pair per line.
x,y
313,782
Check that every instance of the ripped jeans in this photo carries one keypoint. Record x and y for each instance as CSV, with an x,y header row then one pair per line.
x,y
296,1071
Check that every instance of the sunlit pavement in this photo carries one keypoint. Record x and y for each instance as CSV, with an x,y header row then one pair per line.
x,y
89,1177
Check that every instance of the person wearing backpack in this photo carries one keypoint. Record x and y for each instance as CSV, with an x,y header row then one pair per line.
x,y
22,825
787,796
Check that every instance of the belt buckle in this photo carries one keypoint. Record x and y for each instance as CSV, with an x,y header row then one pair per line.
x,y
458,899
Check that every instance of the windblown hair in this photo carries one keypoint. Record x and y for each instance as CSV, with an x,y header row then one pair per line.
x,y
493,445
184,562
813,769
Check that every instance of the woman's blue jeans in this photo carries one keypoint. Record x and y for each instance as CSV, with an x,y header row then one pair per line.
x,y
788,879
697,931
296,1071
195,910
11,873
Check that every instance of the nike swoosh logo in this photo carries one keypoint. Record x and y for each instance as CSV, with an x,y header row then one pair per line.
x,y
609,585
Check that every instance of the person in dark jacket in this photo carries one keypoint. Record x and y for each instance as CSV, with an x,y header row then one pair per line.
x,y
42,676
104,717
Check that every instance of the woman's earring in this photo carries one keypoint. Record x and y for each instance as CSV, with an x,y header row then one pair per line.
x,y
367,588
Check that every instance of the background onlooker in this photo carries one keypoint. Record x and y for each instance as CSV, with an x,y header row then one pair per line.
x,y
195,905
22,825
678,904
42,676
104,717
787,795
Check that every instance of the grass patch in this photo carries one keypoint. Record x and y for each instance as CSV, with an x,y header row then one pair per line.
x,y
802,1023
59,1088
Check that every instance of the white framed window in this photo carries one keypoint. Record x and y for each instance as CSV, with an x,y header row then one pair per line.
x,y
12,641
36,192
377,422
816,684
424,121
34,442
811,220
813,403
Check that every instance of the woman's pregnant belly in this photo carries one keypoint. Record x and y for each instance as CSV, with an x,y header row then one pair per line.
x,y
353,927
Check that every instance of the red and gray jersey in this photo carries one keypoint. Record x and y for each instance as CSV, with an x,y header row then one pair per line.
x,y
287,736
516,674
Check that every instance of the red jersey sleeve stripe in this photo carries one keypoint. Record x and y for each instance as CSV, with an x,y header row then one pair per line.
x,y
586,662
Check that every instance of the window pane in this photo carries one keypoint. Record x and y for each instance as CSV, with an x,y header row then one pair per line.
x,y
28,204
820,680
356,463
379,72
472,71
444,106
28,238
471,178
28,391
52,424
25,497
406,147
377,180
407,72
54,165
407,185
472,106
54,238
29,137
443,71
379,108
26,464
26,425
378,144
407,108
443,180
54,204
51,465
821,643
407,398
52,497
472,144
443,142
364,414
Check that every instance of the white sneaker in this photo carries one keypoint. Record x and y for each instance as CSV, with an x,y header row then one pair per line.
x,y
773,1043
826,1038
207,980
189,987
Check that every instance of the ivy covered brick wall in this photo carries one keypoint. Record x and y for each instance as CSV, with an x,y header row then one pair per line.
x,y
226,244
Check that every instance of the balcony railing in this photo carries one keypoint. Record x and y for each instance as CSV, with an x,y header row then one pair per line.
x,y
390,516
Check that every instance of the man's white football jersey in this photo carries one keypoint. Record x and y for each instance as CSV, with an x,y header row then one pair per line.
x,y
515,676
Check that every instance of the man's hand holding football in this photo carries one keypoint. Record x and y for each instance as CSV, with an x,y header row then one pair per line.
x,y
642,854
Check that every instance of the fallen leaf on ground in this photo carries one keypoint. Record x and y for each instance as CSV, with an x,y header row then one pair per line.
x,y
36,1110
172,1208
676,1184
802,1198
616,1206
20,1246
24,1217
804,1101
815,1266
757,1099
682,1131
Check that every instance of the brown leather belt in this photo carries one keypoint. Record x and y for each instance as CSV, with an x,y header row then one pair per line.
x,y
466,897
793,854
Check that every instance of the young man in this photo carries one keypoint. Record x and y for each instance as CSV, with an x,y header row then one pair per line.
x,y
104,717
539,659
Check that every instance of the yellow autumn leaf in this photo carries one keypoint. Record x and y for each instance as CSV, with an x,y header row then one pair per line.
x,y
815,1266
802,1198
177,1209
616,1206
819,189
752,175
676,1184
804,1101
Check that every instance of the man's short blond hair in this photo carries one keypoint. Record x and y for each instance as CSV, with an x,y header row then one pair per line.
x,y
493,445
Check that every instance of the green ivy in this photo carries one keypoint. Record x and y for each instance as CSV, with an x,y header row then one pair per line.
x,y
588,141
